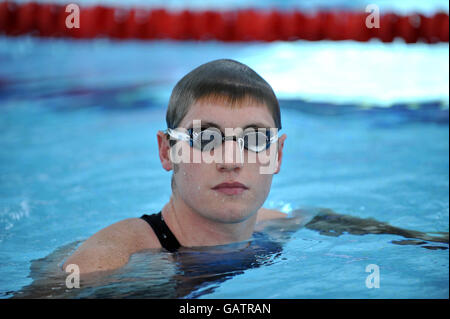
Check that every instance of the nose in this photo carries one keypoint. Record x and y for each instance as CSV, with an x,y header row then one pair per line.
x,y
232,155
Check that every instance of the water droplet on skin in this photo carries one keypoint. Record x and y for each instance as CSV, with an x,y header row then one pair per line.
x,y
198,187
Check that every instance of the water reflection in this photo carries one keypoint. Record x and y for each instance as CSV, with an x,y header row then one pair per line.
x,y
194,272
188,273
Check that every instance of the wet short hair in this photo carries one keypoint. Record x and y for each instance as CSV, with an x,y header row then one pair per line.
x,y
225,80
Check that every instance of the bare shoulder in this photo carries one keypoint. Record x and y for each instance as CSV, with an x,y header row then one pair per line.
x,y
131,233
137,234
268,214
111,247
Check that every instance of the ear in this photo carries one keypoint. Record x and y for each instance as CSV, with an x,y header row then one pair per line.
x,y
280,152
164,151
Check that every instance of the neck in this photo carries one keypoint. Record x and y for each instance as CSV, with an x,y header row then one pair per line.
x,y
192,229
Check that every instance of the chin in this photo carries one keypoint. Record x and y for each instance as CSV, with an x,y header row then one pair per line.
x,y
232,215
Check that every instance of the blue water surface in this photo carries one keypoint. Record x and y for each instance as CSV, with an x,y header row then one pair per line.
x,y
78,151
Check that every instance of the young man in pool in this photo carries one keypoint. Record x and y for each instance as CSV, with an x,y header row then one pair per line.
x,y
212,203
219,201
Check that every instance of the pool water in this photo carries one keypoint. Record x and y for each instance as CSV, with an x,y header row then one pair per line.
x,y
78,123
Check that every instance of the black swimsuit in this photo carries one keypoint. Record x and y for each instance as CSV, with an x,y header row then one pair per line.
x,y
162,231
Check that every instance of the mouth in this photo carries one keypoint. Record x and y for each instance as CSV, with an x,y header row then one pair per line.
x,y
231,188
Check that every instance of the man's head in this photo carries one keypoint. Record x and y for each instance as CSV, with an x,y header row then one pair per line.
x,y
229,95
225,80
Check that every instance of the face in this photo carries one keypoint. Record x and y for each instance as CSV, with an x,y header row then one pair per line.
x,y
196,183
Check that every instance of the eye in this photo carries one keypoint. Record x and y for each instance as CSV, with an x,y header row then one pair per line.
x,y
255,141
207,139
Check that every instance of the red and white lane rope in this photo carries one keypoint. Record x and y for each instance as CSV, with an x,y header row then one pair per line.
x,y
49,20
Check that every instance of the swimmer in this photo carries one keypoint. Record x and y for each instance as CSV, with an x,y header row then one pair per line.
x,y
212,203
215,202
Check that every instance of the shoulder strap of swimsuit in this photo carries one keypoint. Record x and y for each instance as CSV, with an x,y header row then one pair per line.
x,y
162,231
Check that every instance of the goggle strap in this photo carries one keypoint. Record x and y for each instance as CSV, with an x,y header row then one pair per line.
x,y
273,139
178,135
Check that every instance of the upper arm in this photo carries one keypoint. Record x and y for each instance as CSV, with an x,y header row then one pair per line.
x,y
111,247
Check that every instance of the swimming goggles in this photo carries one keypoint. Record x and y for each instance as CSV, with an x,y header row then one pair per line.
x,y
209,138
